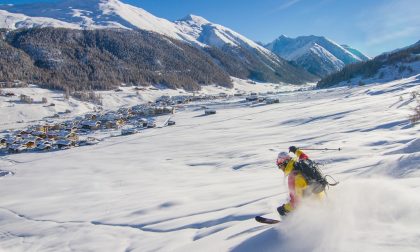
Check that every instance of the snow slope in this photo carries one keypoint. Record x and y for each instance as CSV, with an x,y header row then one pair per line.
x,y
397,64
97,14
17,115
240,54
356,52
216,35
196,186
88,14
236,54
386,73
10,20
318,55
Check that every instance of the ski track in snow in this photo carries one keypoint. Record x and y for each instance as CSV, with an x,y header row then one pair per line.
x,y
197,186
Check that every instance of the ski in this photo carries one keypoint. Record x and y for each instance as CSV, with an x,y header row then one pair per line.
x,y
264,220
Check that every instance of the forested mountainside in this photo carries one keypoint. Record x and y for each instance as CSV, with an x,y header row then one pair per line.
x,y
242,63
102,59
396,64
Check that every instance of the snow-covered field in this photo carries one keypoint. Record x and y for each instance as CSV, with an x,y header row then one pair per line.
x,y
197,186
17,115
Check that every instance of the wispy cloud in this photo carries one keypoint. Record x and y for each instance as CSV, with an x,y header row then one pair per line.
x,y
392,21
285,4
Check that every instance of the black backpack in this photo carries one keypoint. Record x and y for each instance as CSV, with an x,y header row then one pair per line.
x,y
313,175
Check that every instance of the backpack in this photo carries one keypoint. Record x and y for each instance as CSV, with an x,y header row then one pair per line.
x,y
313,175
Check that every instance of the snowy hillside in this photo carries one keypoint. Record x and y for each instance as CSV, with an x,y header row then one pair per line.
x,y
89,14
17,115
217,35
230,52
10,20
95,14
197,186
318,55
240,56
397,64
356,52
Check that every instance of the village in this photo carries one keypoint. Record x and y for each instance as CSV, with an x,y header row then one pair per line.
x,y
53,135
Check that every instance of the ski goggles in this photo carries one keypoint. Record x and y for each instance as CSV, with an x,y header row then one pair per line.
x,y
282,162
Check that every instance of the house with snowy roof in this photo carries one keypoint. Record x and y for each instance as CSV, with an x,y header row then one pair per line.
x,y
64,143
90,125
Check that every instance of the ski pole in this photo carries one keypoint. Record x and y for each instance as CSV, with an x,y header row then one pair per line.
x,y
325,149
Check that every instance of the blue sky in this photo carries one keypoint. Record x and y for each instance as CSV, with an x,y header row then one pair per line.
x,y
372,26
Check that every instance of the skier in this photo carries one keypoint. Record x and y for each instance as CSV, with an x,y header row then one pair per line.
x,y
297,183
304,179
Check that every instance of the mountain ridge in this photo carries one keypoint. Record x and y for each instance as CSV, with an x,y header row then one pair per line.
x,y
317,54
95,14
60,58
244,55
237,55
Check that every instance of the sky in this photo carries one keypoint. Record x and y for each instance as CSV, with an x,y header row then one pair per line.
x,y
371,26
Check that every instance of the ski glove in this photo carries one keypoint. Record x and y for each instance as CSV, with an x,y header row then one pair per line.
x,y
293,149
282,210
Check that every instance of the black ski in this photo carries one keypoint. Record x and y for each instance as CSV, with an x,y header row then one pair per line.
x,y
266,220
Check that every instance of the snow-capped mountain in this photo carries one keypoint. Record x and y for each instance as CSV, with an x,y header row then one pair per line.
x,y
236,54
229,46
87,14
217,35
99,14
10,20
318,55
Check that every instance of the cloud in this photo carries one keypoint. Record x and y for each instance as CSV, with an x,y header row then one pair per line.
x,y
286,4
393,21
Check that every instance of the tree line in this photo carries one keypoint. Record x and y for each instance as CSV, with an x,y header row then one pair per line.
x,y
370,68
74,60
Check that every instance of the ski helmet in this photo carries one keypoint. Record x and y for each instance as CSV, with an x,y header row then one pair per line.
x,y
282,159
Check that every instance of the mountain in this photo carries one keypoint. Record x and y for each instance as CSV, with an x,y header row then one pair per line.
x,y
235,54
103,59
87,14
12,21
402,49
319,55
217,35
240,56
397,64
356,52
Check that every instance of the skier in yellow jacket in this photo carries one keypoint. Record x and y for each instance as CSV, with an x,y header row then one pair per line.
x,y
297,183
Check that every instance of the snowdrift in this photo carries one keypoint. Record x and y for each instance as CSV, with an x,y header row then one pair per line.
x,y
374,214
